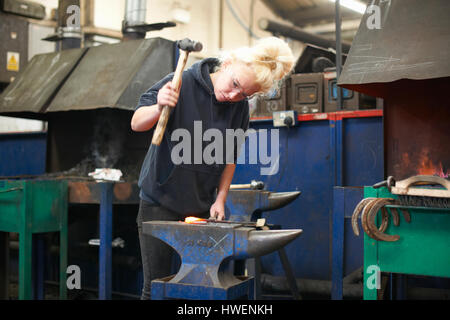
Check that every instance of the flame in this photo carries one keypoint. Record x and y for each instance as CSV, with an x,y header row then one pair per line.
x,y
427,167
194,220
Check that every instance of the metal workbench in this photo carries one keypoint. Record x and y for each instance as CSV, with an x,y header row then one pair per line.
x,y
423,247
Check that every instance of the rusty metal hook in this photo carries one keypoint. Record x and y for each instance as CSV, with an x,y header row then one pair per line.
x,y
365,213
370,221
384,219
359,207
406,214
395,216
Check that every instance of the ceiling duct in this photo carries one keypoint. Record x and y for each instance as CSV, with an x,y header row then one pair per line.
x,y
68,33
300,35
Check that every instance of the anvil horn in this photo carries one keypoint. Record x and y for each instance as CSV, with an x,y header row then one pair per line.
x,y
280,199
263,242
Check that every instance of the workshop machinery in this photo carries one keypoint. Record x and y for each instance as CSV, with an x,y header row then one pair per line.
x,y
311,88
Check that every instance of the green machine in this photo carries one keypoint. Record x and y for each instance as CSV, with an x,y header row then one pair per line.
x,y
28,207
423,246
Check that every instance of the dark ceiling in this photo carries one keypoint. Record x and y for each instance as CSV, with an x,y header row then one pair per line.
x,y
308,13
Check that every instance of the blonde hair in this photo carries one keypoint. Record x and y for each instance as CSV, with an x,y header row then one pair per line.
x,y
270,58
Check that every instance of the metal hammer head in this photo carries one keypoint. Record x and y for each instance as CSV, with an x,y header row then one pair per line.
x,y
256,185
189,45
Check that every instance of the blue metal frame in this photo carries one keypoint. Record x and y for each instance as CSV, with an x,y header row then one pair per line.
x,y
343,240
321,152
105,252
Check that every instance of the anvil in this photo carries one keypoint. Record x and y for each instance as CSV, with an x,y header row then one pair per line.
x,y
248,205
206,251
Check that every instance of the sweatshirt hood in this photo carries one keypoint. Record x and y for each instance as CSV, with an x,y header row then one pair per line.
x,y
201,71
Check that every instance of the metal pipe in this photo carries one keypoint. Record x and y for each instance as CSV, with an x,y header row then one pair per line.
x,y
220,24
68,34
309,286
350,290
354,277
135,12
338,52
300,35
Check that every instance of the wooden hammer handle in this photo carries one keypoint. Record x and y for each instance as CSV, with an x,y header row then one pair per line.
x,y
165,113
240,186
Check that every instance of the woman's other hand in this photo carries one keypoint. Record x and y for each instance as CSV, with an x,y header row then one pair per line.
x,y
217,210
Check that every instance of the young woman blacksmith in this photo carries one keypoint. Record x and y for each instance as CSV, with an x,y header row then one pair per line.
x,y
214,92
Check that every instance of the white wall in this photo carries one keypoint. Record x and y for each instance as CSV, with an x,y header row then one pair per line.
x,y
204,21
203,25
8,124
109,14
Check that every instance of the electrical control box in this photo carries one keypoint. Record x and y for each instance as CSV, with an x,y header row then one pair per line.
x,y
306,93
13,46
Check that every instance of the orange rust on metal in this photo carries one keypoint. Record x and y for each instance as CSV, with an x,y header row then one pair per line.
x,y
406,214
384,220
122,191
79,192
395,216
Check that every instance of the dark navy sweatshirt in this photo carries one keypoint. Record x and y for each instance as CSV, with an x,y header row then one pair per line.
x,y
189,188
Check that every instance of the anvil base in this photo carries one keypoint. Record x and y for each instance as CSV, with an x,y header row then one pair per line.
x,y
163,289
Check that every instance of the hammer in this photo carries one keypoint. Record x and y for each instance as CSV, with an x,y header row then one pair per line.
x,y
254,185
186,46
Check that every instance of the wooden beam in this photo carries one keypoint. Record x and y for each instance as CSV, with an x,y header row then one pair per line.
x,y
90,30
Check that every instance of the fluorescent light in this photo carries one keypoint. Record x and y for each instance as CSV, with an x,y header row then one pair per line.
x,y
353,5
